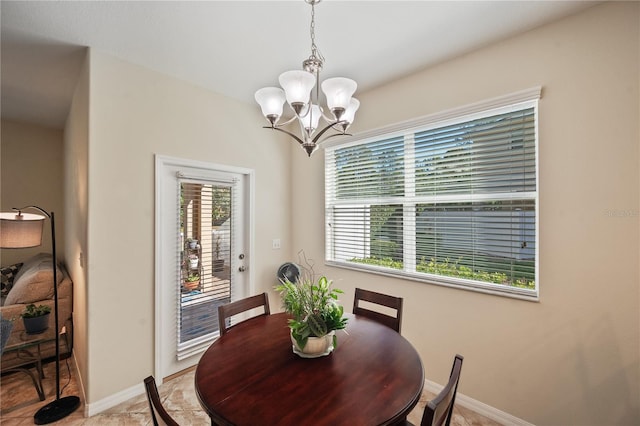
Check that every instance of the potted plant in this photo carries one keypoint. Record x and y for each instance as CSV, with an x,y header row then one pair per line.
x,y
36,318
193,261
316,314
218,264
192,281
192,243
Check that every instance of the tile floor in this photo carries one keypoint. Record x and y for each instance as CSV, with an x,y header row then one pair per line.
x,y
19,401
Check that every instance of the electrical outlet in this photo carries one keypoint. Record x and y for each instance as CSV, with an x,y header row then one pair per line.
x,y
276,243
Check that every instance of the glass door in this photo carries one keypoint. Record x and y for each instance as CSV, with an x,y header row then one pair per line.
x,y
202,250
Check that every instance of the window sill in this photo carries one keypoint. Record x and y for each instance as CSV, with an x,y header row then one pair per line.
x,y
461,284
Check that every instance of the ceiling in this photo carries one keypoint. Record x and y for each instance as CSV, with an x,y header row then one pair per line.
x,y
237,47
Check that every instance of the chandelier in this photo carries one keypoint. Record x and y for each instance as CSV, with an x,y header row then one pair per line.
x,y
302,93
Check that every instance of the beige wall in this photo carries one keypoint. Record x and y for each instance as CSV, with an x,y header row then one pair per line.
x,y
76,138
31,174
135,114
573,358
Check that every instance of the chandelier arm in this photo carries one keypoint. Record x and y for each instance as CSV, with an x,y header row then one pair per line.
x,y
329,119
330,126
341,131
290,120
332,136
287,132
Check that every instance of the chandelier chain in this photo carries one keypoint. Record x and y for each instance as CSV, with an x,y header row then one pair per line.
x,y
315,52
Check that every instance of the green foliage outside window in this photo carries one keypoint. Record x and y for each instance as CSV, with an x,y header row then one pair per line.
x,y
455,269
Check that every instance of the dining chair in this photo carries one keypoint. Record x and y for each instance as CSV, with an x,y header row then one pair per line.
x,y
225,312
439,410
158,414
395,303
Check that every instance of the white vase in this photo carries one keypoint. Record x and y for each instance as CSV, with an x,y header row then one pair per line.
x,y
316,346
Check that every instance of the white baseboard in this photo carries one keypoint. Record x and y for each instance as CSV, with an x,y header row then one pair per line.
x,y
106,403
76,374
479,407
113,400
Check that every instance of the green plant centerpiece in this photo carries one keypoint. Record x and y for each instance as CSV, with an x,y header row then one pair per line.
x,y
36,318
316,314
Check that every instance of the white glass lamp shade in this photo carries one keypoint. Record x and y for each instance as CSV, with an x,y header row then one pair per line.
x,y
311,119
271,101
297,86
20,230
338,91
350,113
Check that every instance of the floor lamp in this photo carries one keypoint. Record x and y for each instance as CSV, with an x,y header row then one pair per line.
x,y
22,230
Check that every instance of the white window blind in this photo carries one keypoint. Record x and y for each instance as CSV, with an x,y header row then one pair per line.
x,y
451,202
203,255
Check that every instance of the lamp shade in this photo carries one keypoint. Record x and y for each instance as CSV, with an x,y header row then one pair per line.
x,y
20,230
338,91
271,100
311,119
350,113
297,86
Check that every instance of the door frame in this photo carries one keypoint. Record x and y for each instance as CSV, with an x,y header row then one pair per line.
x,y
162,163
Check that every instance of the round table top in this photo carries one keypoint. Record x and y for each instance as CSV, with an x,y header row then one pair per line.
x,y
251,376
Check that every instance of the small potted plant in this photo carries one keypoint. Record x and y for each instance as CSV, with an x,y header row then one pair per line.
x,y
316,314
193,261
36,318
191,282
192,243
218,264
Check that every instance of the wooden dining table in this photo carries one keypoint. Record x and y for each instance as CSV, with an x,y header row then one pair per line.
x,y
250,376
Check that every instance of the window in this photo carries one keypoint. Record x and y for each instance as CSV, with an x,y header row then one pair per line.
x,y
448,199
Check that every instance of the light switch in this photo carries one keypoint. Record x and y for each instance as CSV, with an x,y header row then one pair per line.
x,y
276,243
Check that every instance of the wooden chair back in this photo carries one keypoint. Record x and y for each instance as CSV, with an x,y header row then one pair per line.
x,y
158,414
440,409
395,303
230,309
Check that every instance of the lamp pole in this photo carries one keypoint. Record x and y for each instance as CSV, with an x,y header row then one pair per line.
x,y
59,408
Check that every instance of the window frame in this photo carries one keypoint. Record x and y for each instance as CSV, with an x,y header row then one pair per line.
x,y
513,102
